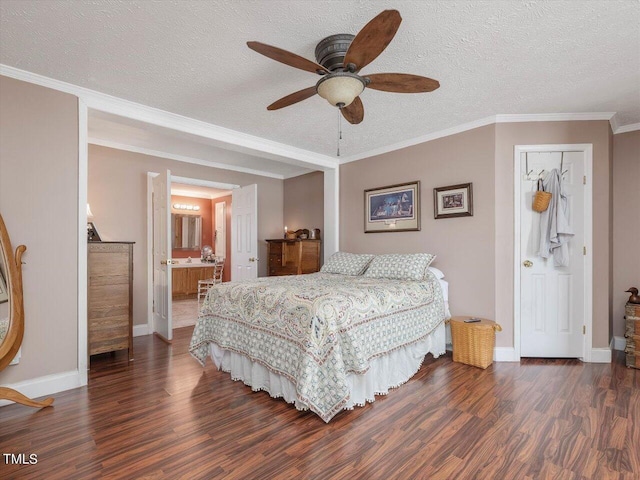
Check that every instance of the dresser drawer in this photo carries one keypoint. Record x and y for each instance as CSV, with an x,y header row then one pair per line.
x,y
109,303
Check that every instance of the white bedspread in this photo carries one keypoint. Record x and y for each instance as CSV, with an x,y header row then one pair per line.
x,y
315,330
385,372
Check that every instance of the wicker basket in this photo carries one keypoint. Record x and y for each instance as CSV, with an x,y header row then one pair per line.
x,y
541,199
473,343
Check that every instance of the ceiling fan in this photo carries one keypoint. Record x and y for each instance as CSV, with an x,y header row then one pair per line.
x,y
339,59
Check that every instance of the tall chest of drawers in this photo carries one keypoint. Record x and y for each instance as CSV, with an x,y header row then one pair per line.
x,y
632,333
110,297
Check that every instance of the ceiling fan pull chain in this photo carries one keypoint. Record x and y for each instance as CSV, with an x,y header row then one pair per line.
x,y
339,128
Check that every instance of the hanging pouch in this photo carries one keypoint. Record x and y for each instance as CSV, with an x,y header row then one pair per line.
x,y
541,199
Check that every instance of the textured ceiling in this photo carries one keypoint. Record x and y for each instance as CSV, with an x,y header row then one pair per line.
x,y
118,132
190,58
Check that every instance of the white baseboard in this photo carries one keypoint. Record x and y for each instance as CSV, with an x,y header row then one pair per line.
x,y
505,354
601,355
140,330
508,354
47,385
619,343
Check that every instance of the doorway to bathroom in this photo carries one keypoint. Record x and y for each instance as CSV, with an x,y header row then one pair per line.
x,y
188,218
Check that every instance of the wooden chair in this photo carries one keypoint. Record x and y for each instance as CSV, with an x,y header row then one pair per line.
x,y
205,285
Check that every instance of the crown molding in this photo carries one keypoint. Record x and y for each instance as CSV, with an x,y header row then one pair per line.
x,y
181,158
615,125
222,137
627,128
553,117
502,118
421,139
262,147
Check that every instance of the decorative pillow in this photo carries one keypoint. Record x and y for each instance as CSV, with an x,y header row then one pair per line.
x,y
438,273
347,263
411,266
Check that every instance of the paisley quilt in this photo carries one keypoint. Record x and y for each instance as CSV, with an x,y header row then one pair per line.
x,y
315,329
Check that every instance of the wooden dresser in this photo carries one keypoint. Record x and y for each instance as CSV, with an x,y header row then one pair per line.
x,y
293,257
110,302
632,333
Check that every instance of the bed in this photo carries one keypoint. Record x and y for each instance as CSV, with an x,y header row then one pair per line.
x,y
324,341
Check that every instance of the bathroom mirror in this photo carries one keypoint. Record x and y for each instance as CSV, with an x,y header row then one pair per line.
x,y
186,231
12,313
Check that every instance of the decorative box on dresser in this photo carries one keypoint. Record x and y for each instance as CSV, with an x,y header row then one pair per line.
x,y
110,292
632,318
293,256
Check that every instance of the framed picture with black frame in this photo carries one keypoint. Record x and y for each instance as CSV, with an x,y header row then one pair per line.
x,y
453,201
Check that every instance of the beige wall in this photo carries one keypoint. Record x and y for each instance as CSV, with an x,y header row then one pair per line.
x,y
38,201
304,201
476,253
464,246
626,222
507,136
117,193
39,191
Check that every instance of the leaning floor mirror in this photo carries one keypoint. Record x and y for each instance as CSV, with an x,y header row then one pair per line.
x,y
12,313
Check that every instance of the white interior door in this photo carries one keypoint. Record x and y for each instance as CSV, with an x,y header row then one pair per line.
x,y
220,230
162,323
244,233
552,303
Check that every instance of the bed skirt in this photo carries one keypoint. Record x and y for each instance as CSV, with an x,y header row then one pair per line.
x,y
385,372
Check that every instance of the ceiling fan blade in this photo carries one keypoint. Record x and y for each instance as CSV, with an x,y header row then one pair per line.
x,y
288,58
402,83
354,112
295,97
373,39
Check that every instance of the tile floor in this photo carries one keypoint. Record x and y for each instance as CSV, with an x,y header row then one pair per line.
x,y
185,312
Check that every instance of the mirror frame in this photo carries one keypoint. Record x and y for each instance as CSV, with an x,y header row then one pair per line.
x,y
13,339
198,238
13,269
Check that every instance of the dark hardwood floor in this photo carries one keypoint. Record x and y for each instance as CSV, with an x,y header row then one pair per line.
x,y
163,416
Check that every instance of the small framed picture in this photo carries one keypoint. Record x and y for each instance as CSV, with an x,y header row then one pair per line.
x,y
92,233
395,208
453,201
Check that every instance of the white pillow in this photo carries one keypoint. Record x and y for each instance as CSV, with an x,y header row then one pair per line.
x,y
439,275
344,263
410,266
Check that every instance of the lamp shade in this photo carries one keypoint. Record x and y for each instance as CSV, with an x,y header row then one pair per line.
x,y
89,212
340,89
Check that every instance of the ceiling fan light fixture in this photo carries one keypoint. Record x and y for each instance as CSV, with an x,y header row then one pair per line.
x,y
340,88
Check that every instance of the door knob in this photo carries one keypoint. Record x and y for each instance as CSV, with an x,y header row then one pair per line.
x,y
527,263
253,259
